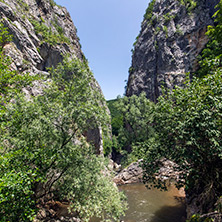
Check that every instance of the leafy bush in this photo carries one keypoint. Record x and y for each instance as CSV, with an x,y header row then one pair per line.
x,y
43,136
16,194
165,29
116,115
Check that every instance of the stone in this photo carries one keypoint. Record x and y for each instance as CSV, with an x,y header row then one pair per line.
x,y
134,173
168,45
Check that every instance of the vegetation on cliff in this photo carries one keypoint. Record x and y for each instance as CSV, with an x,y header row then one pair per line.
x,y
43,153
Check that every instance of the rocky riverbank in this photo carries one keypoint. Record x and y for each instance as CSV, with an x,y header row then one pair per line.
x,y
134,173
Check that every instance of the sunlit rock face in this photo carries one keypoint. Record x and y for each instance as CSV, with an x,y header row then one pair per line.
x,y
167,47
39,46
43,33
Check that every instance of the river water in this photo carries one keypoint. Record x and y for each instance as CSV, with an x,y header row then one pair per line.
x,y
153,205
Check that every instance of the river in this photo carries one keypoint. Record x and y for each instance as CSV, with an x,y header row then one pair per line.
x,y
153,205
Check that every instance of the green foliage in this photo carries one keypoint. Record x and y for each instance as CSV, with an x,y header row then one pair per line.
x,y
136,113
116,116
157,30
129,121
210,59
52,3
136,41
156,45
41,143
184,126
189,4
16,194
149,11
117,124
47,34
23,5
188,130
58,27
178,30
167,17
43,136
5,37
11,82
15,181
131,69
94,194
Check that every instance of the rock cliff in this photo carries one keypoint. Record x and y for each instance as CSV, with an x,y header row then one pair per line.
x,y
43,33
172,36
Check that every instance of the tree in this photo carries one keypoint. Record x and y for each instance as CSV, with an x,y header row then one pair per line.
x,y
188,128
130,118
5,37
211,56
116,115
43,146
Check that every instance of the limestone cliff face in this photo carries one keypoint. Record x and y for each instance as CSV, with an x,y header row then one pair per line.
x,y
171,37
43,33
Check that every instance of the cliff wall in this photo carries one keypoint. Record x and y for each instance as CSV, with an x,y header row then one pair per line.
x,y
43,33
172,36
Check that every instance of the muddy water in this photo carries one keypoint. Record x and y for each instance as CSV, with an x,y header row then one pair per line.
x,y
153,205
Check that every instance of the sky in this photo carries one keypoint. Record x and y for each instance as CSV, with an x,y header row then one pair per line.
x,y
107,30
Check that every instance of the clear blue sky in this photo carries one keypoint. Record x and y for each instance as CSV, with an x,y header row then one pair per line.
x,y
107,30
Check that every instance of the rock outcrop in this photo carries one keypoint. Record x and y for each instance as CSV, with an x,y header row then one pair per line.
x,y
43,33
171,37
134,173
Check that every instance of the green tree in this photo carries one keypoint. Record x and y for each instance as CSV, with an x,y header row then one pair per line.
x,y
188,128
130,118
116,116
43,136
14,180
136,111
211,56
